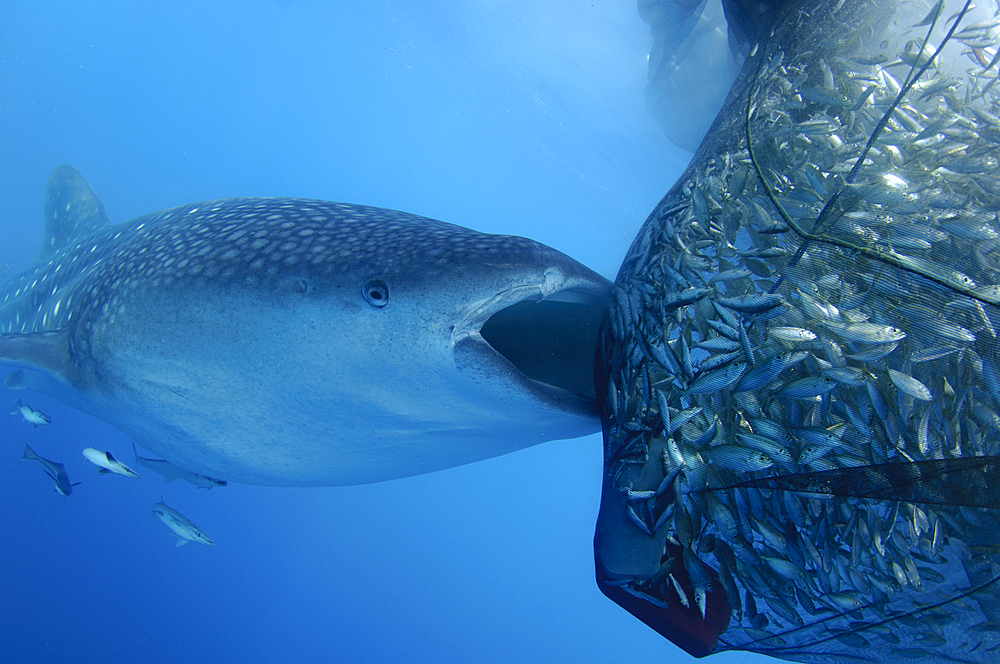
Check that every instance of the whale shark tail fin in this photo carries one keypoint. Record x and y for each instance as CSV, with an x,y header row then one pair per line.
x,y
72,209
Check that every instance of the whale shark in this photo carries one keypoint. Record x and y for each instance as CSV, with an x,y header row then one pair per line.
x,y
295,342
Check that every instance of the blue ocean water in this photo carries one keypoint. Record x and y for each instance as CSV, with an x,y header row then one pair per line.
x,y
509,117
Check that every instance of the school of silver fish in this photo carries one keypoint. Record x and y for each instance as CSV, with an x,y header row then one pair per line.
x,y
800,374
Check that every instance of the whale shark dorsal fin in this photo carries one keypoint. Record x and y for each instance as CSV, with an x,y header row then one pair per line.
x,y
45,351
72,209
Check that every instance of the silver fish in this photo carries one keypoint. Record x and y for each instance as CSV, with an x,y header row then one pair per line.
x,y
790,334
53,469
32,415
108,463
847,491
183,528
910,385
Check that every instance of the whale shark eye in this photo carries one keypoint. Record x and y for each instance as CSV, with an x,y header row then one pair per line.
x,y
376,292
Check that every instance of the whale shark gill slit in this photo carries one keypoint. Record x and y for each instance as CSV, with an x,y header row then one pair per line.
x,y
48,351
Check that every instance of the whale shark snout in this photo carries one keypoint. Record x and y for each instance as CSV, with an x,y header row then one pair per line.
x,y
300,342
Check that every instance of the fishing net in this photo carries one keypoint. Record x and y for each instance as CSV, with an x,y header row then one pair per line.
x,y
799,373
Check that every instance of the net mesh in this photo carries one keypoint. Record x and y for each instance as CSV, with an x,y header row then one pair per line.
x,y
799,372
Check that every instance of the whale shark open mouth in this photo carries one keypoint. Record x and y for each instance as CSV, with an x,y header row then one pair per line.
x,y
549,338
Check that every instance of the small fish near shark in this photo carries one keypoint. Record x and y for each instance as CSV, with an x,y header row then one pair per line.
x,y
170,472
184,529
800,370
293,342
30,414
107,463
53,469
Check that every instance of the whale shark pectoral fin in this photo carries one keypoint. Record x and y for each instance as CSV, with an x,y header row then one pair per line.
x,y
169,471
49,352
15,381
71,209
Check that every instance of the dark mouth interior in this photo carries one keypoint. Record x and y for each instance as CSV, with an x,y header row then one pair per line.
x,y
549,341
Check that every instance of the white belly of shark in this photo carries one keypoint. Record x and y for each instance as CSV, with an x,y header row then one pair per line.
x,y
300,342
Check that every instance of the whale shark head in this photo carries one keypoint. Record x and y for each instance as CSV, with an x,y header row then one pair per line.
x,y
302,342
